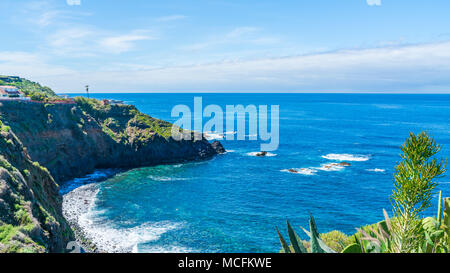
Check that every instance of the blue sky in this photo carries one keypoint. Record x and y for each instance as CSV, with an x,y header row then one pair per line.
x,y
229,45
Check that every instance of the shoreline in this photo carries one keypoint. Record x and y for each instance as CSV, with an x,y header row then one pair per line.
x,y
76,204
93,237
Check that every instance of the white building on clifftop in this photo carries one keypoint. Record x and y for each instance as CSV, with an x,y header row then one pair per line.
x,y
12,92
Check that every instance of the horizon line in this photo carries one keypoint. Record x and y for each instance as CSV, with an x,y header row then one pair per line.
x,y
259,92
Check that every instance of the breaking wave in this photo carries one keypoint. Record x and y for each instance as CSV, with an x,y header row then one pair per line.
x,y
216,135
166,178
256,154
79,210
377,170
330,167
304,171
346,157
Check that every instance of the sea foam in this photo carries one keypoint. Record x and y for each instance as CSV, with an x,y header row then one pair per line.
x,y
304,171
79,209
166,178
377,170
112,239
256,153
330,167
346,157
216,135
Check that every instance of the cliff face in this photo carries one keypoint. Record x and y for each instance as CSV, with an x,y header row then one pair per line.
x,y
71,140
30,207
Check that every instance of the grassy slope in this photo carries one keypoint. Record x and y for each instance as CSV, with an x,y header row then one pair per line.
x,y
32,89
30,213
124,121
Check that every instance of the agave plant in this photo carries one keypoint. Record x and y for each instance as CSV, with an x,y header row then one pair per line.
x,y
436,230
296,246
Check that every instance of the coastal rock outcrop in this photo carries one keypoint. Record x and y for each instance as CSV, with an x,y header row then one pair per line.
x,y
218,147
261,154
42,144
74,139
31,217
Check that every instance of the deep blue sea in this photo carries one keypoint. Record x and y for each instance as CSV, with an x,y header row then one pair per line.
x,y
233,202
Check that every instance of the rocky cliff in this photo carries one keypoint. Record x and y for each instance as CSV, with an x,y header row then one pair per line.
x,y
74,139
30,206
71,140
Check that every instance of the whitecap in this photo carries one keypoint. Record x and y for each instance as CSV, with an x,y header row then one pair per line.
x,y
331,167
166,178
96,176
164,249
78,209
212,136
217,135
256,154
304,171
346,157
387,106
112,239
377,170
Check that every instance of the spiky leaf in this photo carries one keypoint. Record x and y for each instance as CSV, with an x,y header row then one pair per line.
x,y
283,243
447,220
295,240
439,218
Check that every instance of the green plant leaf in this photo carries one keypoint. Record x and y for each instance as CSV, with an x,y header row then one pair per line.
x,y
439,218
295,240
283,243
353,248
315,238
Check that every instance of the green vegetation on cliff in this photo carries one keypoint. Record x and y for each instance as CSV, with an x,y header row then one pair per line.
x,y
31,89
124,121
31,219
45,143
74,139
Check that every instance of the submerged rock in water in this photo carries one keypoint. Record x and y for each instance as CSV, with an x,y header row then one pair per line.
x,y
292,171
218,147
261,154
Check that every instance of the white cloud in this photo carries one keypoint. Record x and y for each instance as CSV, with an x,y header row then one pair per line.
x,y
72,41
86,41
45,14
374,2
239,35
409,68
122,43
46,18
30,65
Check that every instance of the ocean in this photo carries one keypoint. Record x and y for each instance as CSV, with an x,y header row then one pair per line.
x,y
234,202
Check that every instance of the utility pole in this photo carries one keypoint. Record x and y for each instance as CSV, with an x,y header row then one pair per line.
x,y
87,90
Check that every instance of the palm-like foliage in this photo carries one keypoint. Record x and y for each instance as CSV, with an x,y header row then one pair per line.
x,y
414,188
